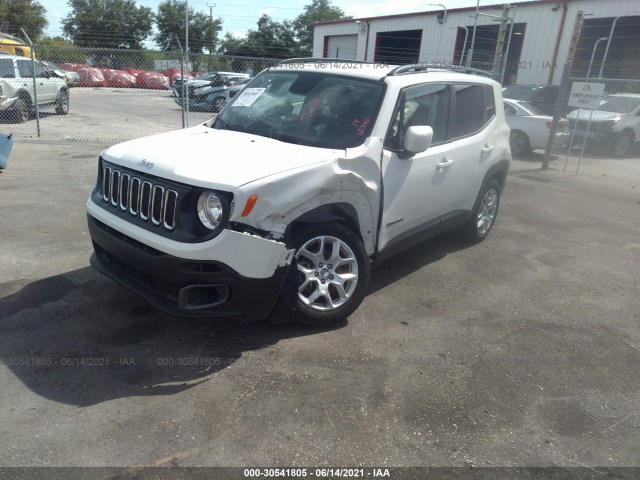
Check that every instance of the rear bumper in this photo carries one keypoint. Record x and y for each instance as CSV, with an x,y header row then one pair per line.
x,y
183,287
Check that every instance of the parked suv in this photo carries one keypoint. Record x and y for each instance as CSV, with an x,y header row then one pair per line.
x,y
17,92
312,174
615,125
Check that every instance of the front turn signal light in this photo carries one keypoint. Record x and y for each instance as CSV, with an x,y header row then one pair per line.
x,y
251,202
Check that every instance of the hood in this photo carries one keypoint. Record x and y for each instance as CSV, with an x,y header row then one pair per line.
x,y
218,159
598,115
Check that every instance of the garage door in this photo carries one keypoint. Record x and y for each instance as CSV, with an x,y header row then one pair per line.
x,y
342,46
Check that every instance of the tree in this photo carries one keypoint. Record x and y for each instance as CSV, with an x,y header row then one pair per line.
x,y
170,20
27,14
317,11
108,23
271,40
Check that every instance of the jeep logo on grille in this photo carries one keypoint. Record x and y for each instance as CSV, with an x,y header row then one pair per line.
x,y
145,164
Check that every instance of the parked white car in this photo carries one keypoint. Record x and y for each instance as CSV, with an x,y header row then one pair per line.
x,y
615,125
530,128
17,94
308,177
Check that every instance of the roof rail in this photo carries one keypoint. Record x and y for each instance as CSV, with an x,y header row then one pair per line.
x,y
319,59
425,67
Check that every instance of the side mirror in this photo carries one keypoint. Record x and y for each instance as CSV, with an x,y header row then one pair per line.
x,y
417,139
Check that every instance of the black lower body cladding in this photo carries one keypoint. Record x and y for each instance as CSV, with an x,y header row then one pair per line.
x,y
181,287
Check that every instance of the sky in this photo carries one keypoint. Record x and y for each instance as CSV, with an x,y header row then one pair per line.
x,y
240,16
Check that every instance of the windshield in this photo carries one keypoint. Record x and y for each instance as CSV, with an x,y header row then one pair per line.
x,y
306,108
520,93
619,104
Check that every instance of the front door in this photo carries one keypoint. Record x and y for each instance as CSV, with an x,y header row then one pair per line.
x,y
415,187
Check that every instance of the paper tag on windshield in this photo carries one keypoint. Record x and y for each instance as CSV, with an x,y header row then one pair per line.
x,y
248,96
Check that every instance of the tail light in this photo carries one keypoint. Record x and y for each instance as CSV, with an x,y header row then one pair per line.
x,y
229,84
549,125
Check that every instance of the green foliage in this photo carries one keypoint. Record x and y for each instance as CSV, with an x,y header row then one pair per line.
x,y
108,23
271,40
170,20
317,11
283,39
27,14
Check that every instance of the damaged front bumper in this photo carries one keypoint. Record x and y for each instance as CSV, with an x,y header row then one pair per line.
x,y
210,286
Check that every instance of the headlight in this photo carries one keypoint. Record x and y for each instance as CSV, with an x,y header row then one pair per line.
x,y
210,210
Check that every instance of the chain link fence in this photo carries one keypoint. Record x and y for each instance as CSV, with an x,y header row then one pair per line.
x,y
603,119
117,95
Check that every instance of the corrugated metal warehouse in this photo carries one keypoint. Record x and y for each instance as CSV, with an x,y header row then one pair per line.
x,y
537,38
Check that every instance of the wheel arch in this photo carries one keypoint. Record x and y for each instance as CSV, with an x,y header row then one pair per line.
x,y
26,96
339,212
497,172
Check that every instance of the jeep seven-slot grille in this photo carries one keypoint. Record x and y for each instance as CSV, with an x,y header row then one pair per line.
x,y
140,198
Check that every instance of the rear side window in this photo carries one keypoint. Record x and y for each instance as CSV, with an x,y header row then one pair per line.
x,y
6,68
452,111
24,68
475,107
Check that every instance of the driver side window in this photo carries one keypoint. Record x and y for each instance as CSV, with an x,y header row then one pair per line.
x,y
421,105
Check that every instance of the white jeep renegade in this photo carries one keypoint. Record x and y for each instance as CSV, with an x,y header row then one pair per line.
x,y
313,173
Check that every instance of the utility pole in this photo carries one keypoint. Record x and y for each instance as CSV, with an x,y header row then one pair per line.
x,y
498,55
211,33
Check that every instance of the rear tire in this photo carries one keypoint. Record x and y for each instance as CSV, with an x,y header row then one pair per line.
x,y
62,102
519,142
479,225
624,142
333,274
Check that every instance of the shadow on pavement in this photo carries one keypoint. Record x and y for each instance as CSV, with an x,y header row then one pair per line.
x,y
80,339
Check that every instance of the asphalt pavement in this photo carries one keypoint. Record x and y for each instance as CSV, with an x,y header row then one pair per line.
x,y
520,351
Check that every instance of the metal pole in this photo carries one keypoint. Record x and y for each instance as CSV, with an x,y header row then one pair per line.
x,y
506,55
464,44
586,135
556,114
33,77
186,48
473,38
184,123
211,33
444,15
498,56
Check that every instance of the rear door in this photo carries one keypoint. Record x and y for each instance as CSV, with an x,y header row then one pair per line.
x,y
47,85
475,144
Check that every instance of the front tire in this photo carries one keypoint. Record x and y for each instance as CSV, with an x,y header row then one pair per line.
x,y
333,274
218,104
21,111
62,103
484,214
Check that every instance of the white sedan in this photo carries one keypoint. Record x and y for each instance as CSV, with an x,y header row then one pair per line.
x,y
530,128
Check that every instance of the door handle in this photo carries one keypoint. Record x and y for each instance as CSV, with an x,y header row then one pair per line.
x,y
488,149
444,163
